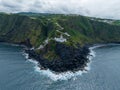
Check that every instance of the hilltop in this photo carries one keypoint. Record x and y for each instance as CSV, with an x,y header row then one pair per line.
x,y
59,42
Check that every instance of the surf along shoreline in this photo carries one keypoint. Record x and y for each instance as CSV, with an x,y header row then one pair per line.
x,y
59,66
89,55
74,61
55,76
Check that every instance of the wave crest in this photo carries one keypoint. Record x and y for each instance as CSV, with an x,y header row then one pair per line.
x,y
61,76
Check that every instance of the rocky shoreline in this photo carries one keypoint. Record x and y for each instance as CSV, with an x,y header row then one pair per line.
x,y
71,59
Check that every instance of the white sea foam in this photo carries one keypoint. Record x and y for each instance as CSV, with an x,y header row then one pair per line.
x,y
31,60
65,75
97,46
62,76
102,45
26,55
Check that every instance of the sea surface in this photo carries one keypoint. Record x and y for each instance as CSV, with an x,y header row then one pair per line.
x,y
19,73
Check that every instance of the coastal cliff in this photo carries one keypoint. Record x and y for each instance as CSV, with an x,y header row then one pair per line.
x,y
58,42
70,59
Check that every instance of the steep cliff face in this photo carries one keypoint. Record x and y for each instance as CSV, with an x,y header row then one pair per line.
x,y
84,30
69,58
58,42
22,29
66,29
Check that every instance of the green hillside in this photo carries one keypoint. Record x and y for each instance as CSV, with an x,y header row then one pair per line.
x,y
42,31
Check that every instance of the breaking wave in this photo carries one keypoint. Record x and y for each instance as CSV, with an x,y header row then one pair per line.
x,y
62,76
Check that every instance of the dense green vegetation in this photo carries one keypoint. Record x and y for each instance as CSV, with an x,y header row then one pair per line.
x,y
36,28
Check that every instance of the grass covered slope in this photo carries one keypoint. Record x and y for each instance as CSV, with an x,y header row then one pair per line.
x,y
16,29
37,28
58,41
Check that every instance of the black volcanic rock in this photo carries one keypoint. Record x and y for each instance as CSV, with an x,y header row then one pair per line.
x,y
71,59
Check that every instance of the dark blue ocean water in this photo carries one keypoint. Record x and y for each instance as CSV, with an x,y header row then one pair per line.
x,y
17,73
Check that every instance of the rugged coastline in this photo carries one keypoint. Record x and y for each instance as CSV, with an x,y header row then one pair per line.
x,y
71,59
58,42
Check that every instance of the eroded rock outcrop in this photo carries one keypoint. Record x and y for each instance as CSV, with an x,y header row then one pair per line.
x,y
70,58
